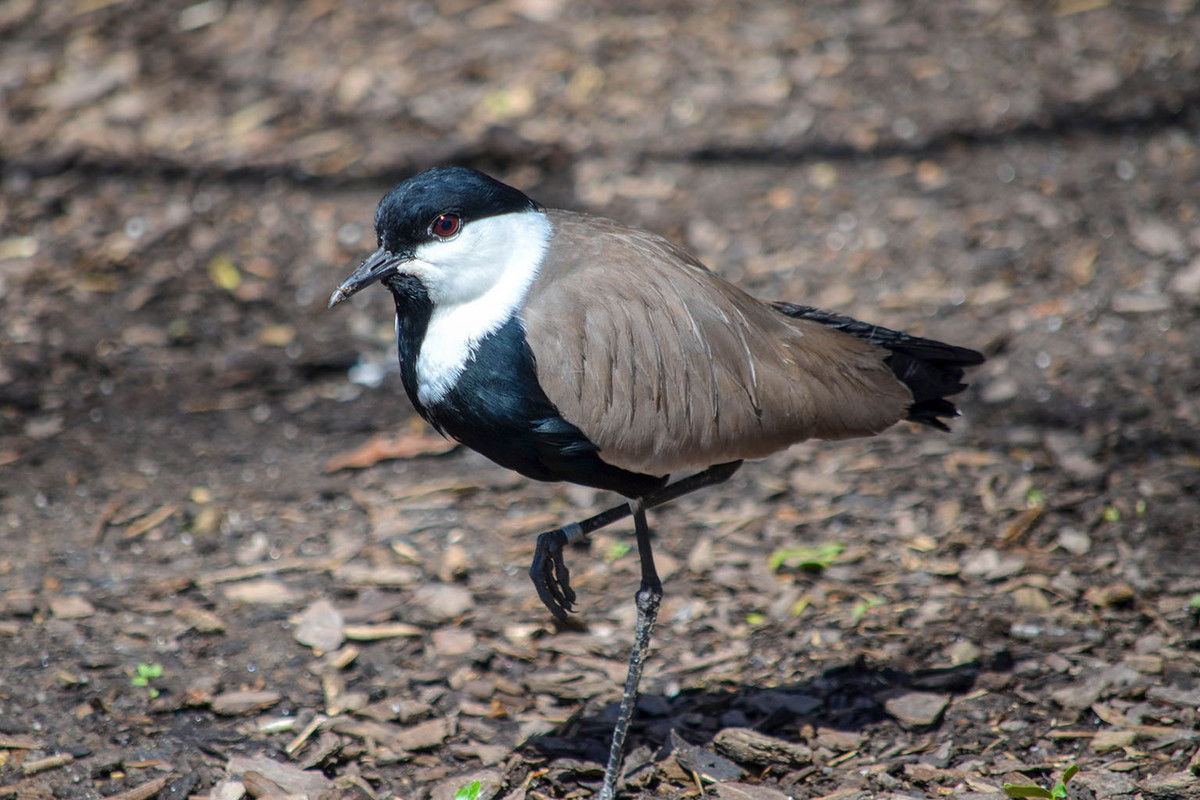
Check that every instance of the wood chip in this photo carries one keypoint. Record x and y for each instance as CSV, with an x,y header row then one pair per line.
x,y
295,564
449,642
286,777
404,710
18,742
1171,786
734,790
201,690
265,592
71,607
749,746
425,735
839,741
703,762
244,702
1108,741
201,620
366,575
440,603
917,709
320,626
568,685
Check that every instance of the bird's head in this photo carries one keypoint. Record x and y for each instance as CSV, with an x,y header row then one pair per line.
x,y
451,228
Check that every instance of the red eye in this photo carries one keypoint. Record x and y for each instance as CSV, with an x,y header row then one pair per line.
x,y
446,226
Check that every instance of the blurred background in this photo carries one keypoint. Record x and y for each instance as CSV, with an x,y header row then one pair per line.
x,y
224,533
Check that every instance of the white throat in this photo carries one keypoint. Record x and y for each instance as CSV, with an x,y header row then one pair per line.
x,y
477,282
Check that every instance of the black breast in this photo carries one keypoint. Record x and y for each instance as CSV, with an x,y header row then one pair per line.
x,y
498,408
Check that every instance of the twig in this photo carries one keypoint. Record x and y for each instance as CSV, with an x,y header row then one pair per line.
x,y
303,736
150,521
49,762
145,791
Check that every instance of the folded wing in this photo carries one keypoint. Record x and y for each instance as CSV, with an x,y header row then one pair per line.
x,y
666,367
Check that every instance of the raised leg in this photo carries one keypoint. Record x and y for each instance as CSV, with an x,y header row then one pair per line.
x,y
549,572
649,597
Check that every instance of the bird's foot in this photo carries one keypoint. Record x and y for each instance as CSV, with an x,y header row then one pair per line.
x,y
549,572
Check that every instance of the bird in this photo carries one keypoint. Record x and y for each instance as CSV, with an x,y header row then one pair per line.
x,y
570,347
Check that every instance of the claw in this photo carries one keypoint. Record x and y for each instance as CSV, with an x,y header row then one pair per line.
x,y
550,575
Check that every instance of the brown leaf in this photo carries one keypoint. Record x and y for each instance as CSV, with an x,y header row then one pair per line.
x,y
1112,595
381,448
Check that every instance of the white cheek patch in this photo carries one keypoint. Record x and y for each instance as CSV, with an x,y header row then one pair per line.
x,y
476,282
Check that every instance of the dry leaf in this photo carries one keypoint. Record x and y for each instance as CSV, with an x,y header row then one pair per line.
x,y
381,448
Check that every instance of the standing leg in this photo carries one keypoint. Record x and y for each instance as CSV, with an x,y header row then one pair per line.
x,y
648,598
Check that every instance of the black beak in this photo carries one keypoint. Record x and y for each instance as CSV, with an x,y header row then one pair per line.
x,y
378,266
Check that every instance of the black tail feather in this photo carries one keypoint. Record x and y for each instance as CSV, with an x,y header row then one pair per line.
x,y
931,370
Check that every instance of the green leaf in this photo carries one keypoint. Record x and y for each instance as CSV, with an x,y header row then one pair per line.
x,y
616,550
469,792
864,605
1059,792
802,557
149,671
1023,790
755,618
1194,603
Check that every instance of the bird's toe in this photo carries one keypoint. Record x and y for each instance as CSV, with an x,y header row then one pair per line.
x,y
550,575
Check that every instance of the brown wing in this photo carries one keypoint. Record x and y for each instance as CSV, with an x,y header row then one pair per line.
x,y
667,367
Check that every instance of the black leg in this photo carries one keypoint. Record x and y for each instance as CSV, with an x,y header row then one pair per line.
x,y
549,572
649,597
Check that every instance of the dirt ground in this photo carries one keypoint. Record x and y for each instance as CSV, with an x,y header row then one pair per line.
x,y
195,602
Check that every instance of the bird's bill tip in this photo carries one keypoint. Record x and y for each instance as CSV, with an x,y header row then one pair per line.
x,y
339,294
376,267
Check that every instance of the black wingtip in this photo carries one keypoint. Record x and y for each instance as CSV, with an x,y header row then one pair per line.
x,y
931,412
931,370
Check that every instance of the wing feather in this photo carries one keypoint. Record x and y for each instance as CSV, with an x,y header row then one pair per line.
x,y
666,367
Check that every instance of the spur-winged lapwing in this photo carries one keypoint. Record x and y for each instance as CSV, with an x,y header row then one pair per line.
x,y
572,348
